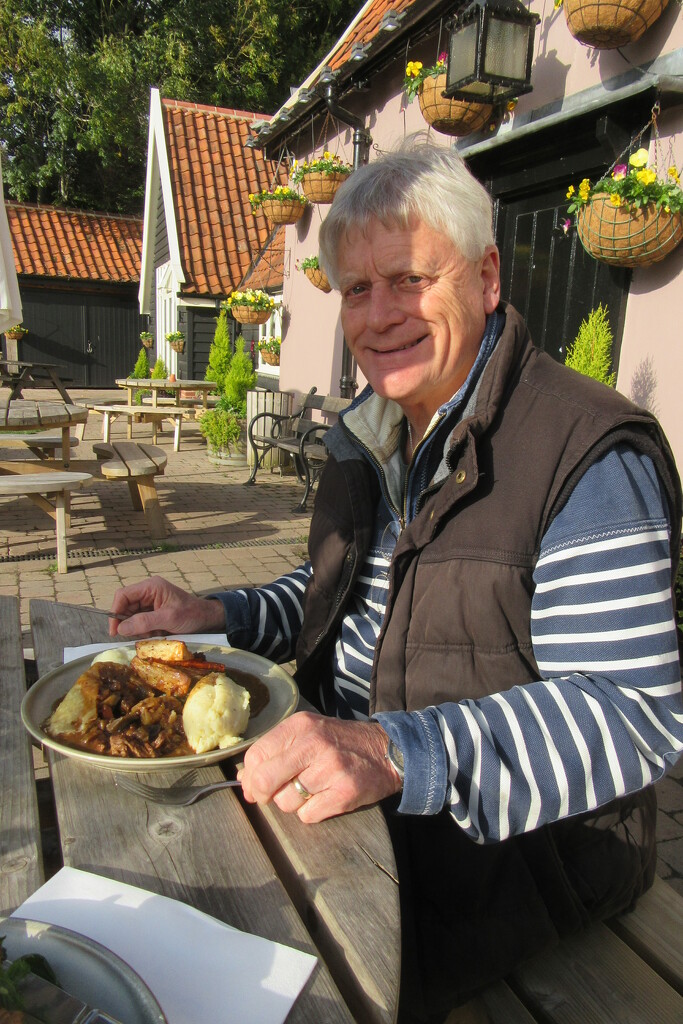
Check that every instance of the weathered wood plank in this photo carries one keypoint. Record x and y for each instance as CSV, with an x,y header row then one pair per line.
x,y
593,977
497,1005
206,855
21,865
655,931
127,458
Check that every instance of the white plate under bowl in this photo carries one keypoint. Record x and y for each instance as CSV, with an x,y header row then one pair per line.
x,y
40,699
85,969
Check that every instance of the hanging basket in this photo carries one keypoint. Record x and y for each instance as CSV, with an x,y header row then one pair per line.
x,y
249,315
272,358
14,335
285,211
318,278
178,346
607,24
450,117
147,342
627,237
321,187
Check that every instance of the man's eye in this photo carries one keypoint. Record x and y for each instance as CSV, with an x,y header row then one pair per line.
x,y
414,279
356,289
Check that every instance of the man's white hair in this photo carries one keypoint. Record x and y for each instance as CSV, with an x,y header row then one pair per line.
x,y
418,181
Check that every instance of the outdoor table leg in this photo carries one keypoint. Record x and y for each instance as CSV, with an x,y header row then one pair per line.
x,y
66,445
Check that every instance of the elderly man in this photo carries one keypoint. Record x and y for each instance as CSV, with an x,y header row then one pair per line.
x,y
486,619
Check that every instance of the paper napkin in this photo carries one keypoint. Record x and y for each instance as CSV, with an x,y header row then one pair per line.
x,y
198,968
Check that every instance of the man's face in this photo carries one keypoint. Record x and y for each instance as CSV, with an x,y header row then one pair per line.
x,y
414,312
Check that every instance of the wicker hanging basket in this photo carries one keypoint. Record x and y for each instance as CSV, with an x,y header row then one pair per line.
x,y
318,278
627,237
283,211
15,335
450,117
178,346
272,358
320,187
607,24
249,315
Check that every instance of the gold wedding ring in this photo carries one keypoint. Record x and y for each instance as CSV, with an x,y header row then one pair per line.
x,y
301,789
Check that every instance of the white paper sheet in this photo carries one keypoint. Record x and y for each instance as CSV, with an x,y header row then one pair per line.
x,y
199,969
71,653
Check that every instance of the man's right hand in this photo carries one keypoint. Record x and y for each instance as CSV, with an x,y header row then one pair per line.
x,y
156,606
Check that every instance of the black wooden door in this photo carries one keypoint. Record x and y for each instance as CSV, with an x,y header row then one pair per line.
x,y
549,277
92,336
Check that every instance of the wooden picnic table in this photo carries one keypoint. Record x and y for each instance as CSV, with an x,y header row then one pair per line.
x,y
258,864
28,417
340,877
157,385
18,375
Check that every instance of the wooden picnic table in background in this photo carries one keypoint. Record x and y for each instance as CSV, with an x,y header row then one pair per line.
x,y
18,375
329,890
157,385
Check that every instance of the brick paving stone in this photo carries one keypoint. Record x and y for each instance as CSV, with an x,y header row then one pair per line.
x,y
669,794
671,852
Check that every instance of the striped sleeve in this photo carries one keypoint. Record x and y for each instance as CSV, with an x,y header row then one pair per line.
x,y
267,620
606,717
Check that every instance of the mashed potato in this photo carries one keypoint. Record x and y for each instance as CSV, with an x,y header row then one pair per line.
x,y
119,656
216,713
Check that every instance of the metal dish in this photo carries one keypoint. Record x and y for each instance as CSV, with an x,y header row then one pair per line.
x,y
86,970
284,696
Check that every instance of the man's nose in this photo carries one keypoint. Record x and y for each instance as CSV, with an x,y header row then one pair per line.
x,y
384,308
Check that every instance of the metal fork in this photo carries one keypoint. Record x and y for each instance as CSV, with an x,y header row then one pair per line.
x,y
177,796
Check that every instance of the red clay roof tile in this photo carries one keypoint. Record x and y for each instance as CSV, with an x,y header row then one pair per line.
x,y
212,175
73,244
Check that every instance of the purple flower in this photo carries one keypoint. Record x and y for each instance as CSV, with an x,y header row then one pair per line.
x,y
565,225
620,171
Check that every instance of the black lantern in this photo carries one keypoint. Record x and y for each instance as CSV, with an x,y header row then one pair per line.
x,y
490,50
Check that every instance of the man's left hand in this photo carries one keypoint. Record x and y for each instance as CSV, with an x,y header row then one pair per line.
x,y
341,764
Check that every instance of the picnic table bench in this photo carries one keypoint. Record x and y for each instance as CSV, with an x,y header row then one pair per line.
x,y
138,465
47,488
299,435
43,444
136,413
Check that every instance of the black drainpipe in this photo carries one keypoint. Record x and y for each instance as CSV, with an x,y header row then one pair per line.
x,y
362,139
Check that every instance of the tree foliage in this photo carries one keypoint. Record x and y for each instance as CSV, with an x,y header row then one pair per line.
x,y
75,77
591,351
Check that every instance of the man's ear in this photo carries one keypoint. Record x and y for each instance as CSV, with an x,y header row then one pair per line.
x,y
490,279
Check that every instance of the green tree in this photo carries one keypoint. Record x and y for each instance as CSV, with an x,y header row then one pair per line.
x,y
591,351
239,379
75,77
220,353
141,368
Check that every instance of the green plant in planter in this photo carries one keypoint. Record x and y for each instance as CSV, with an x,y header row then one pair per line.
x,y
591,351
220,353
17,330
239,379
271,344
221,426
141,369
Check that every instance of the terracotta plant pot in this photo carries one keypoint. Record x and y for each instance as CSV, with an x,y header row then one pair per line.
x,y
607,24
451,117
272,358
320,187
627,237
248,315
286,211
318,278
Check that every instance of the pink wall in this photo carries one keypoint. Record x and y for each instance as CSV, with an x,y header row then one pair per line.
x,y
651,342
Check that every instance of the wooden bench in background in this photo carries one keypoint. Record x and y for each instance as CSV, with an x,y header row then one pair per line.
x,y
138,465
143,415
43,444
299,435
47,488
